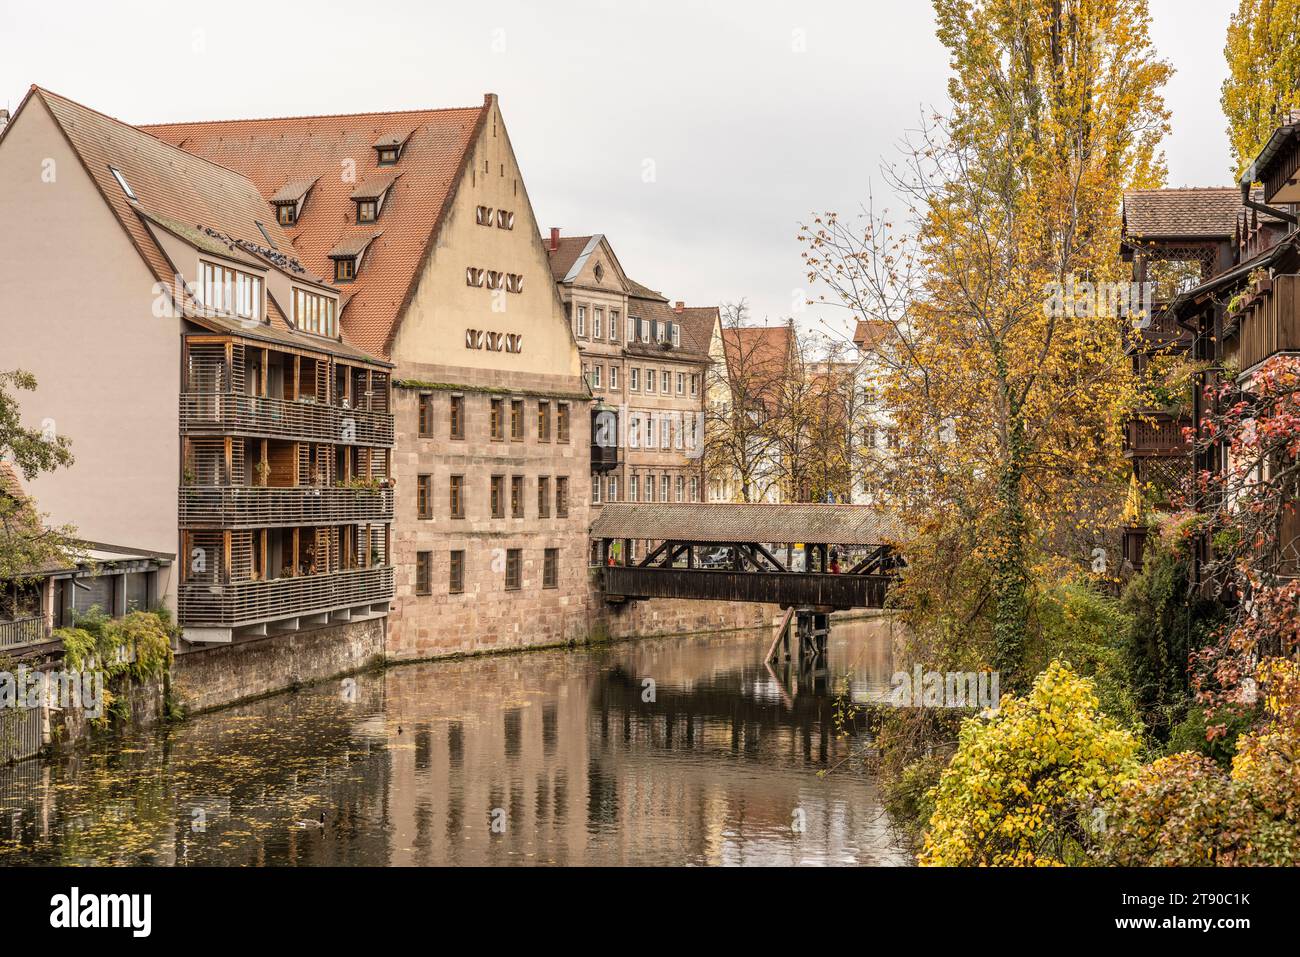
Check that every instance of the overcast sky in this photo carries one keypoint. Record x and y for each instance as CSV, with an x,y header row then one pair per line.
x,y
695,135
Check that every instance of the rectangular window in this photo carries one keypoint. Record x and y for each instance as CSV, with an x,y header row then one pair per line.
x,y
634,432
695,488
595,376
457,487
634,489
665,433
426,415
613,325
543,497
315,314
551,568
345,269
613,377
458,417
650,488
517,496
582,320
423,570
681,383
649,431
456,572
613,489
595,489
286,213
562,497
597,323
514,569
634,380
665,483
649,380
498,496
516,420
543,421
681,488
498,420
367,211
562,422
229,291
695,385
424,496
666,382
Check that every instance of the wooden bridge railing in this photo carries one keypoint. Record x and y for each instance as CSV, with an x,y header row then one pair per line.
x,y
783,588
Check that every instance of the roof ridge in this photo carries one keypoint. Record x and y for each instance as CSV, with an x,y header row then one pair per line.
x,y
139,129
317,116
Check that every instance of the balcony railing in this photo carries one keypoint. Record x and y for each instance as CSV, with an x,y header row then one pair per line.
x,y
1155,434
210,506
230,605
256,415
1269,322
20,631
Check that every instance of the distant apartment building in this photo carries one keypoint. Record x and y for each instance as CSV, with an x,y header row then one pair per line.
x,y
873,437
747,388
352,321
646,362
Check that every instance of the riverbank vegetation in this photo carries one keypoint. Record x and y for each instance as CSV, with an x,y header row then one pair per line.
x,y
1152,715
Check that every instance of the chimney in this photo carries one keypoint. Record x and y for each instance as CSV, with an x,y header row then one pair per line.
x,y
555,238
679,306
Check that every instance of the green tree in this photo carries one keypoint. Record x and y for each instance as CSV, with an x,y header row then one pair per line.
x,y
26,542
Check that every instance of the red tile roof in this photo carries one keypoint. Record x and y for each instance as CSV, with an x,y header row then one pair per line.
x,y
870,333
566,253
275,152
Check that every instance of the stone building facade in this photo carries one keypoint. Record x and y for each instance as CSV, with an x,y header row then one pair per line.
x,y
646,360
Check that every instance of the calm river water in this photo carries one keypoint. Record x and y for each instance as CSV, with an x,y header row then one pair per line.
x,y
550,757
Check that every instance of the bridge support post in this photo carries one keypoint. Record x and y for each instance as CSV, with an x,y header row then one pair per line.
x,y
813,628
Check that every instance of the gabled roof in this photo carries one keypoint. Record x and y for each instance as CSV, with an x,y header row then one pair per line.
x,y
354,243
698,323
868,334
1198,212
168,183
272,151
569,254
376,185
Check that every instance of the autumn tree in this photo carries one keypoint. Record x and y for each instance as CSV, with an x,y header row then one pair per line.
x,y
1263,84
743,392
1009,382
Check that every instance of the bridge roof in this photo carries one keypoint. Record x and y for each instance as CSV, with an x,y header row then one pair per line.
x,y
744,522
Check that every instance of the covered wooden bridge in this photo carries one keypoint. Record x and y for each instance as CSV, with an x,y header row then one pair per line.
x,y
828,557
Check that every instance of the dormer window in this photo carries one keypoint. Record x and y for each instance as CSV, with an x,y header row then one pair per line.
x,y
371,195
389,146
315,313
286,214
289,199
367,210
349,252
229,291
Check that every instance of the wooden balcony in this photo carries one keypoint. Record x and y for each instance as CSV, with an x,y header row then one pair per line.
x,y
231,413
1154,435
262,507
22,631
1268,323
235,604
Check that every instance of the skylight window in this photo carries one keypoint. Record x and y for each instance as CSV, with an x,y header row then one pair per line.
x,y
121,181
265,235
